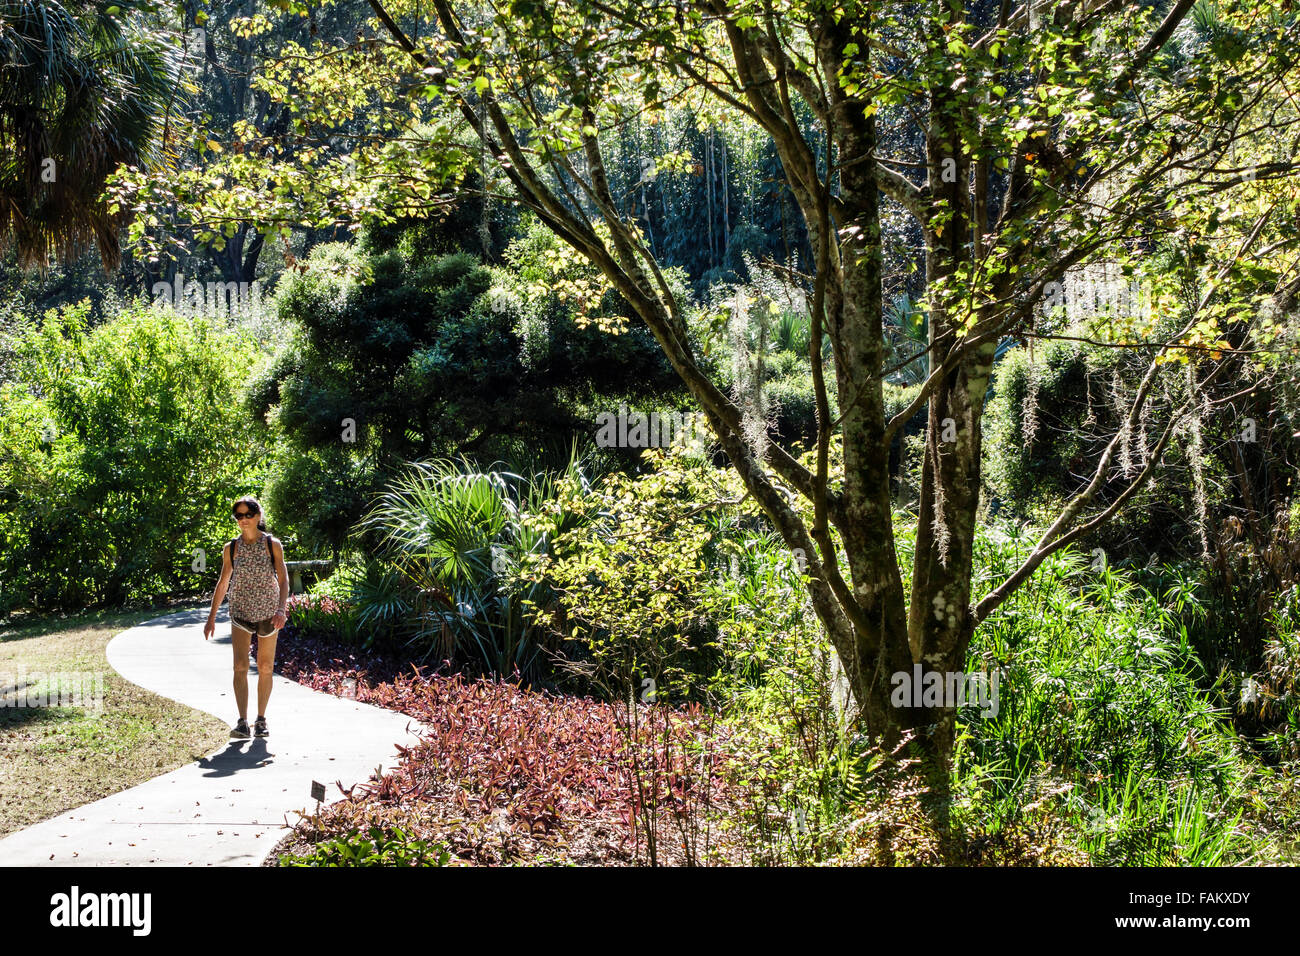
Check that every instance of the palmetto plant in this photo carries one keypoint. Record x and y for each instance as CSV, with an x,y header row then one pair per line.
x,y
383,601
453,536
84,89
907,331
792,332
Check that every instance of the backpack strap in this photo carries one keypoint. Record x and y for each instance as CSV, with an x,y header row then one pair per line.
x,y
271,552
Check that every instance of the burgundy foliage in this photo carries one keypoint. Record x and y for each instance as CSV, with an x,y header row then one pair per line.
x,y
491,746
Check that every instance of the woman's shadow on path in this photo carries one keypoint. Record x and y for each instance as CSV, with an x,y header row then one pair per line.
x,y
235,758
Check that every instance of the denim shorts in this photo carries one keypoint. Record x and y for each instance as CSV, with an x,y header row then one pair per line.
x,y
260,628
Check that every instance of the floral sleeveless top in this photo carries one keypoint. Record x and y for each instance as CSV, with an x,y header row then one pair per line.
x,y
254,586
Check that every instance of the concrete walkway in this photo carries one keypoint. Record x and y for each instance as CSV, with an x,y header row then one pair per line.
x,y
231,807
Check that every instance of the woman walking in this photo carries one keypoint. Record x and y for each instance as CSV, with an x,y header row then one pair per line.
x,y
259,596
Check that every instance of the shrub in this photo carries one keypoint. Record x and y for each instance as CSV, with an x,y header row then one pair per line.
x,y
404,347
1046,427
630,581
796,408
138,417
320,617
795,775
318,494
377,847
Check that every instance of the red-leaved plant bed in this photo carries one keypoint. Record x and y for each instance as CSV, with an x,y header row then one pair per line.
x,y
326,665
495,756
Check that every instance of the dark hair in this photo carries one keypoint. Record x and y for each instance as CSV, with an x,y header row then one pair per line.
x,y
253,505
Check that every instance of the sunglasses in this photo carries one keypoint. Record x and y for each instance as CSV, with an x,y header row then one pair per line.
x,y
240,515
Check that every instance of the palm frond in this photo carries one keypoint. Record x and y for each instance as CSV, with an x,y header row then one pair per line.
x,y
82,92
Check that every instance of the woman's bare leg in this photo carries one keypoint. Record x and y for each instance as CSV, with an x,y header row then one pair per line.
x,y
265,669
240,640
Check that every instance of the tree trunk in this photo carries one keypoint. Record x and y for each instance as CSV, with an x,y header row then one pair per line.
x,y
940,623
868,530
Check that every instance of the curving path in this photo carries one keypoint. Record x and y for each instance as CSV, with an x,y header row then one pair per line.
x,y
231,807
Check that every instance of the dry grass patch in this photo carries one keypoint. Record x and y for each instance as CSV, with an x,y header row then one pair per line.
x,y
54,759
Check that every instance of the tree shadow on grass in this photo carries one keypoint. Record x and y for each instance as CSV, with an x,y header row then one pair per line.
x,y
17,718
21,627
